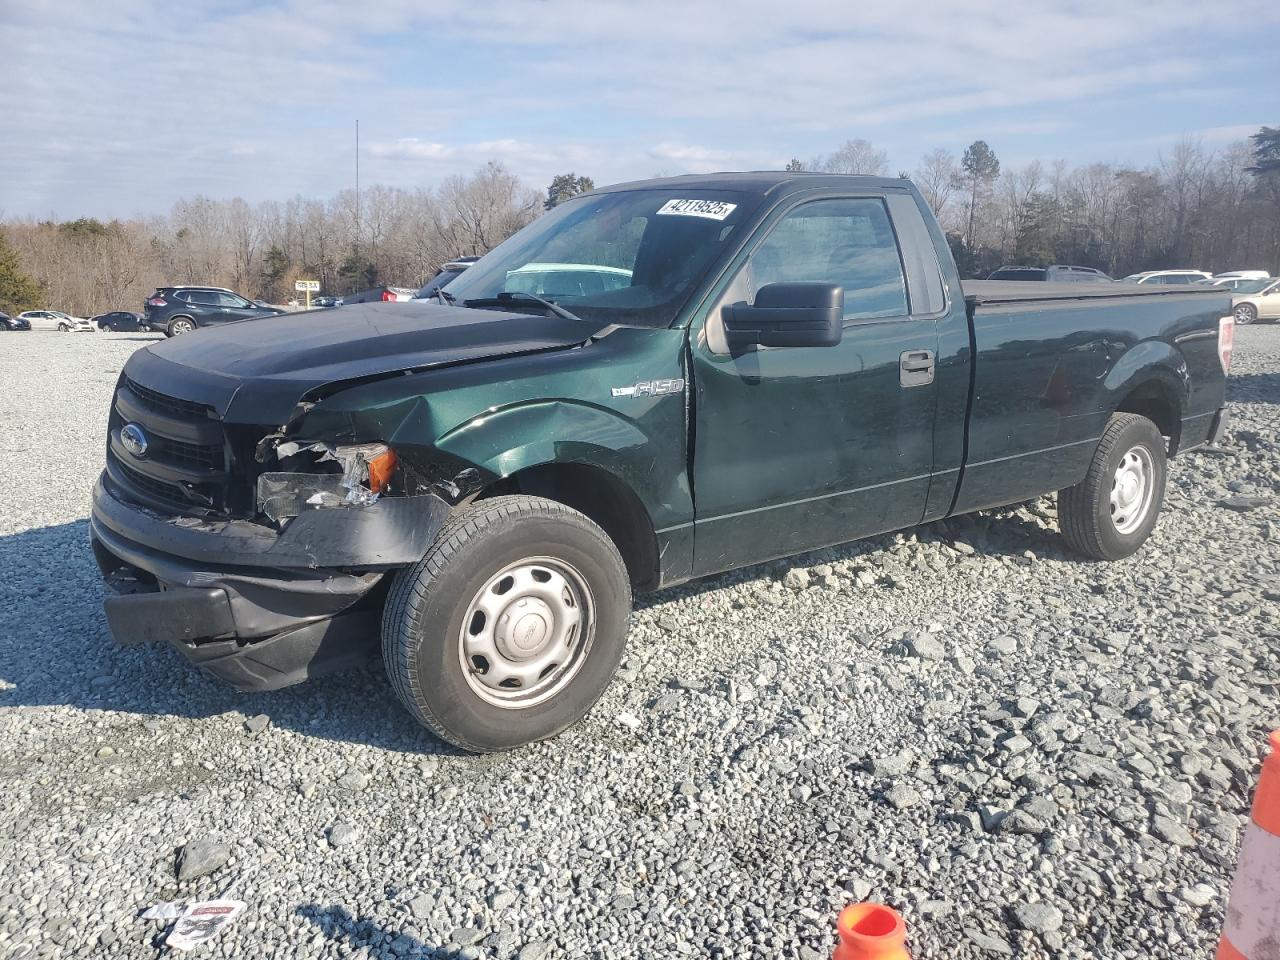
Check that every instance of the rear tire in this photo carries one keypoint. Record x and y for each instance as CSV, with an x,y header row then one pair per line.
x,y
1111,512
178,326
512,625
1245,313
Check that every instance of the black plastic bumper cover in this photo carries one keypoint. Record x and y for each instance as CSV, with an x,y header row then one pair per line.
x,y
225,595
389,532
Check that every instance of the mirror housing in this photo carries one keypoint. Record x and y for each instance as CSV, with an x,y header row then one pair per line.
x,y
787,315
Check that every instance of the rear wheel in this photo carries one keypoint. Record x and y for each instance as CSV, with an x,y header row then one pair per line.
x,y
512,625
180,325
1111,512
1246,313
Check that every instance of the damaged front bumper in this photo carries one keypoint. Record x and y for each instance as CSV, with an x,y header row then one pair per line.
x,y
256,607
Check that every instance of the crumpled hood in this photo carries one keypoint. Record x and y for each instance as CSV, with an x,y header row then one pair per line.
x,y
256,371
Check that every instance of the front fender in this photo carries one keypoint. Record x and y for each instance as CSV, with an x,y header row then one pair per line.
x,y
507,441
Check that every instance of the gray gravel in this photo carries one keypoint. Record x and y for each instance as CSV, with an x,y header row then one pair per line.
x,y
1028,755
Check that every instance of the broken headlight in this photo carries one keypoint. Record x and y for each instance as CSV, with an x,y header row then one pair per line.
x,y
349,475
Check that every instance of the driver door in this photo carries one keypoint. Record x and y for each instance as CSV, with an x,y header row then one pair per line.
x,y
802,447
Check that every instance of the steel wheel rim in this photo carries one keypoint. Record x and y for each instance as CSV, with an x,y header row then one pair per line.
x,y
1132,490
1244,314
526,633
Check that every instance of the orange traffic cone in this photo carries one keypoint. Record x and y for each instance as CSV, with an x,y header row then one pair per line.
x,y
1252,929
871,931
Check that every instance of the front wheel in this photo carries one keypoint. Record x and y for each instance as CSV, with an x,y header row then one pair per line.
x,y
63,328
1111,512
1246,313
512,625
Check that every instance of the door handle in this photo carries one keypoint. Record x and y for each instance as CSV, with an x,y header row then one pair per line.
x,y
915,368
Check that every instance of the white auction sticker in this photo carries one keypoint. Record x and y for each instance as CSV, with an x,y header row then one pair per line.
x,y
708,209
203,921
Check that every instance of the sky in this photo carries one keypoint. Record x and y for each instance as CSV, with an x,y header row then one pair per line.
x,y
117,108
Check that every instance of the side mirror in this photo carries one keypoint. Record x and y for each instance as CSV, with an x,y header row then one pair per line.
x,y
787,315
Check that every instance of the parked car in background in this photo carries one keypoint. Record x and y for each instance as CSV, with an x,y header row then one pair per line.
x,y
13,323
447,273
567,279
56,320
324,301
375,294
121,321
1261,301
1234,283
1055,273
1242,275
1168,277
178,310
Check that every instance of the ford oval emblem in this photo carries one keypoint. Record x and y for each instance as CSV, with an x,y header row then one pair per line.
x,y
134,439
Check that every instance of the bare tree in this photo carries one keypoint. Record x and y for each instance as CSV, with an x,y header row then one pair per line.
x,y
854,156
936,177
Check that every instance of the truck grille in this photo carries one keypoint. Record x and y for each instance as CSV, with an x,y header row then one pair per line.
x,y
188,464
187,408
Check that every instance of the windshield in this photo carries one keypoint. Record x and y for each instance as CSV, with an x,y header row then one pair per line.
x,y
631,257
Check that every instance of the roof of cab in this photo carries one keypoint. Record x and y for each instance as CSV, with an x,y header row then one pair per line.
x,y
761,182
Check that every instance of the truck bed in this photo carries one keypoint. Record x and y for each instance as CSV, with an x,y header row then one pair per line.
x,y
1020,291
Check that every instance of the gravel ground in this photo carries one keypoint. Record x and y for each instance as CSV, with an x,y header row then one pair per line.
x,y
1028,755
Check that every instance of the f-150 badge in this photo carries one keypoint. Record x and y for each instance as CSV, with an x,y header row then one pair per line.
x,y
650,388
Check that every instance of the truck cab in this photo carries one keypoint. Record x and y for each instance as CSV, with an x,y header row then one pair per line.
x,y
770,363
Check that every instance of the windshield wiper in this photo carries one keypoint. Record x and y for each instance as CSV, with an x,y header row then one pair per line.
x,y
444,296
508,295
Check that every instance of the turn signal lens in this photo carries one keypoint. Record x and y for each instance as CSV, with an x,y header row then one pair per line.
x,y
381,468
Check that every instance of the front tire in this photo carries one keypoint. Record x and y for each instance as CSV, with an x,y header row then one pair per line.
x,y
1245,313
63,328
511,627
1111,512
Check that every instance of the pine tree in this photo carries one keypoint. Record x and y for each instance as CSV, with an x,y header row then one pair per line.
x,y
565,186
275,266
980,168
18,291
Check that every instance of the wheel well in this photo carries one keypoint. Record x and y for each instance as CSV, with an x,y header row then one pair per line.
x,y
605,499
1154,401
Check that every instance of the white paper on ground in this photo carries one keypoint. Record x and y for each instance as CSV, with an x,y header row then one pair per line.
x,y
202,922
169,910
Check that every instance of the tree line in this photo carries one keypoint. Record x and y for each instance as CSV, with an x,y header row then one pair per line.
x,y
1194,208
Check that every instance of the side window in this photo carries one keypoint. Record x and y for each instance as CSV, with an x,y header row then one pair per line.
x,y
849,242
231,300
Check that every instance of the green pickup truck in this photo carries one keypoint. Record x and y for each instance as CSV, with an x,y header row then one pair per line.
x,y
653,382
